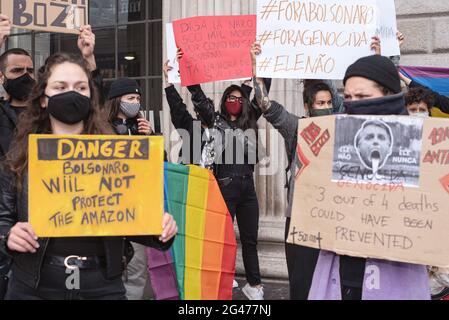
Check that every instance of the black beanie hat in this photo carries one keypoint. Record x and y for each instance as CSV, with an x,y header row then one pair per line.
x,y
378,69
123,86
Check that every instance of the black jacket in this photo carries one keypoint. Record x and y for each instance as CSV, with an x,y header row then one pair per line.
x,y
8,122
183,120
27,266
206,115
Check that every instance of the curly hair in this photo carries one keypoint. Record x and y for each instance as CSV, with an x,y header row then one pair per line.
x,y
418,95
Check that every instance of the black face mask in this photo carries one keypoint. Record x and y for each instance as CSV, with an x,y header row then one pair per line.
x,y
389,105
69,107
19,88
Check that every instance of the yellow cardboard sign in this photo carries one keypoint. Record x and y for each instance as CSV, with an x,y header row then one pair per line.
x,y
95,185
47,15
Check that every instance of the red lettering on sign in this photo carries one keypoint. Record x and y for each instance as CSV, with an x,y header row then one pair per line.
x,y
310,133
439,135
437,157
320,143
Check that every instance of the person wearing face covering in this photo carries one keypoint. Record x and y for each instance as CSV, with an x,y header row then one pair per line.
x,y
372,87
63,102
18,78
123,108
231,151
318,101
419,102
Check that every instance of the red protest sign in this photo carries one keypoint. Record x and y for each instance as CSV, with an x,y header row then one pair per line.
x,y
215,48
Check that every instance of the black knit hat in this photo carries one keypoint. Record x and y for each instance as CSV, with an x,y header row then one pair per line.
x,y
378,69
123,86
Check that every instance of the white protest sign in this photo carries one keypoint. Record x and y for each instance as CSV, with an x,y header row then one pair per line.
x,y
387,28
314,39
173,75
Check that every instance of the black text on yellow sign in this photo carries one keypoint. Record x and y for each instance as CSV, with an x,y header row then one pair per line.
x,y
95,185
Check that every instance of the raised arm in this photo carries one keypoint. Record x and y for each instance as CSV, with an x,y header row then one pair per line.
x,y
180,116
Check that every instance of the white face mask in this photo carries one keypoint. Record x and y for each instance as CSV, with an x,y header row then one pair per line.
x,y
423,115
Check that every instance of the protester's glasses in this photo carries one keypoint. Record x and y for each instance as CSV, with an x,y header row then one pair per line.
x,y
232,98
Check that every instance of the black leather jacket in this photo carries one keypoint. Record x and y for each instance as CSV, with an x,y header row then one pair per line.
x,y
27,266
8,122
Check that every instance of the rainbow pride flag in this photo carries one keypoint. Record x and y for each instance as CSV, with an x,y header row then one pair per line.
x,y
204,250
436,79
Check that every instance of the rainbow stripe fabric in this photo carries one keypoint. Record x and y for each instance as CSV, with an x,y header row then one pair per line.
x,y
436,79
204,250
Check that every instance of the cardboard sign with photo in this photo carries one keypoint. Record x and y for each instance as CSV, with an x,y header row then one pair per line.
x,y
376,150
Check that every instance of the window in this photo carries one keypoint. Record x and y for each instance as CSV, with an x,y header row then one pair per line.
x,y
128,44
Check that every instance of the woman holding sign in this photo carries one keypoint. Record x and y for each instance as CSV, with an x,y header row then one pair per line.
x,y
63,102
233,156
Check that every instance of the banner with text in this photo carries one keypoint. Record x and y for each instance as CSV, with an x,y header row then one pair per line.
x,y
215,48
95,185
373,187
47,15
313,39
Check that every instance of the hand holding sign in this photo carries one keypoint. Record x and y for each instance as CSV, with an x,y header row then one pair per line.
x,y
86,44
170,229
375,45
401,38
255,51
170,67
5,28
22,238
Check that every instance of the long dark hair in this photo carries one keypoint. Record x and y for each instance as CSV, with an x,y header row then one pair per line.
x,y
246,120
36,120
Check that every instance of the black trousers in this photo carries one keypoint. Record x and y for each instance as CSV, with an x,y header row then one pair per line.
x,y
301,263
52,286
240,196
4,271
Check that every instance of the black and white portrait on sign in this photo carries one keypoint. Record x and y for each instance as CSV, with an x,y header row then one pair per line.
x,y
384,150
374,144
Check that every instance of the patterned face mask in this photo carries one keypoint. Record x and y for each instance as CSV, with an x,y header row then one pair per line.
x,y
130,110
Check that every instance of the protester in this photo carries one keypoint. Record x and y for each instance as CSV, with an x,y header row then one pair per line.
x,y
232,155
318,99
123,107
372,87
64,101
17,77
440,101
192,151
419,102
188,127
